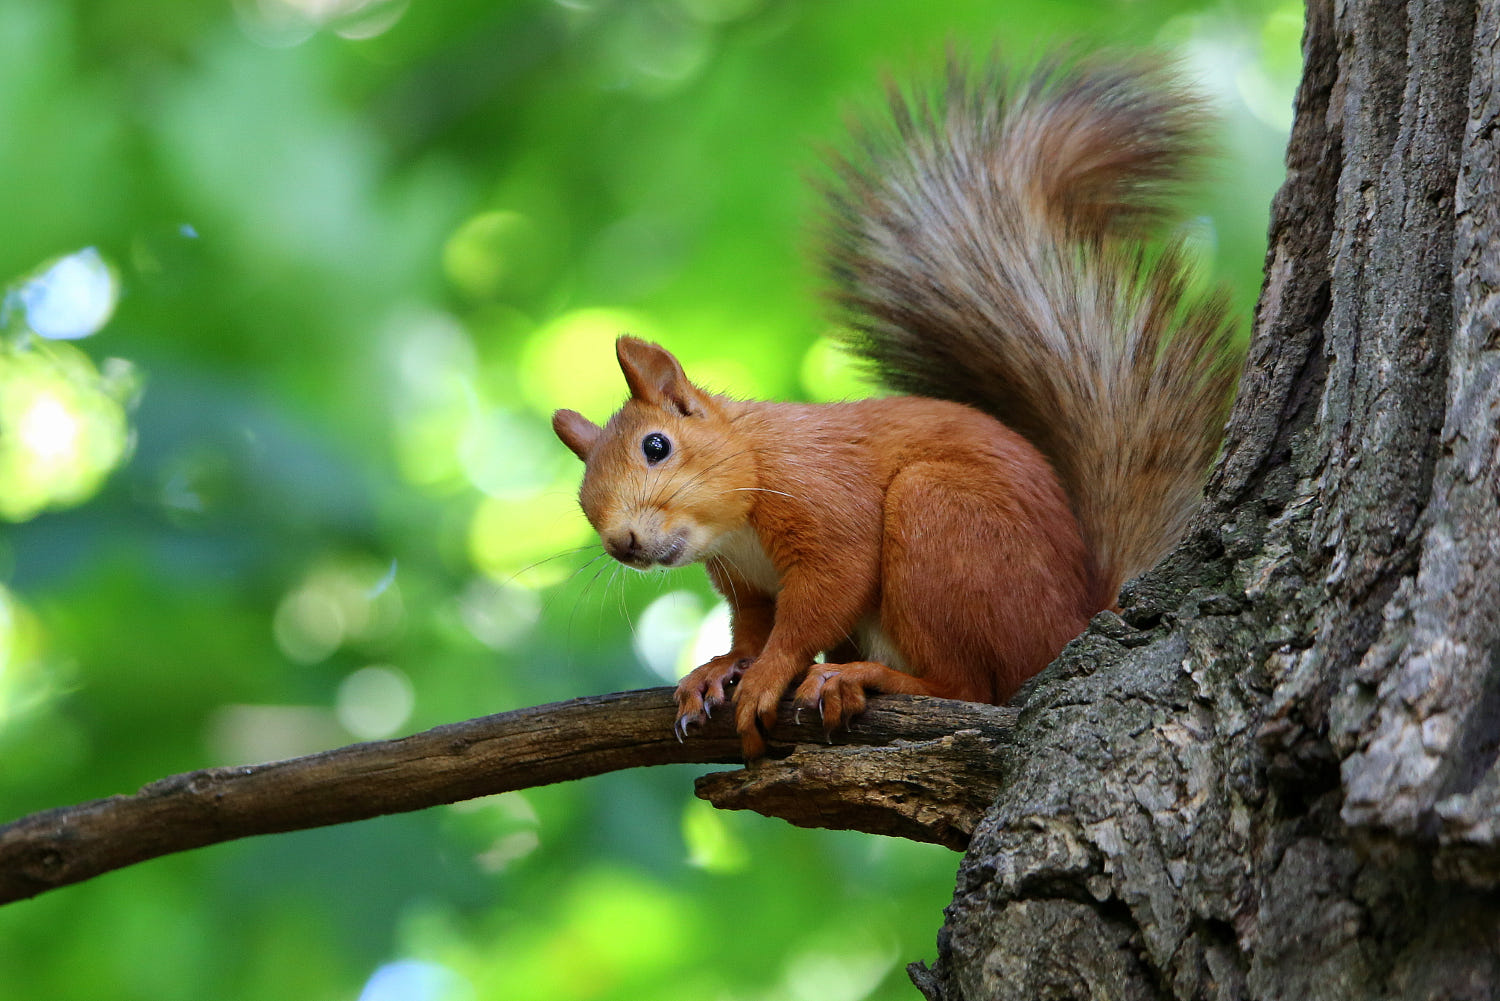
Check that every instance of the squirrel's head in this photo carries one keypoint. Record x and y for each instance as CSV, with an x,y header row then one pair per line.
x,y
667,477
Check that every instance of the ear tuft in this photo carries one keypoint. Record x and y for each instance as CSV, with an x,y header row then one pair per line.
x,y
576,431
655,377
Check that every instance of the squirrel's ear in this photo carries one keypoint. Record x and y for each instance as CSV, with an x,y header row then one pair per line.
x,y
576,431
655,377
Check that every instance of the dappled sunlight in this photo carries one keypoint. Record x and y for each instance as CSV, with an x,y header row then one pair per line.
x,y
677,632
664,632
841,970
712,638
62,428
502,453
63,422
48,429
1255,69
447,433
451,437
655,49
245,734
498,615
23,685
737,374
284,23
309,624
498,254
503,828
71,298
339,600
416,980
525,539
592,939
374,702
711,845
1265,82
830,373
570,362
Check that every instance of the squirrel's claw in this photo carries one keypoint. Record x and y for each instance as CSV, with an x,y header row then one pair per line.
x,y
836,692
685,721
704,688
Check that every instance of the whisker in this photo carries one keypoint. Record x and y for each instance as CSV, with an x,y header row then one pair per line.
x,y
585,589
601,555
700,474
548,559
619,584
764,490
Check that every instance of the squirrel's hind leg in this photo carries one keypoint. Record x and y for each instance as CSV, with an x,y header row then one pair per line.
x,y
983,576
837,691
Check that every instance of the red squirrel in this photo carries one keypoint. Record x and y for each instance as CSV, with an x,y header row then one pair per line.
x,y
996,256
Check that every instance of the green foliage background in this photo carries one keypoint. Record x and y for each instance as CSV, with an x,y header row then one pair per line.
x,y
299,489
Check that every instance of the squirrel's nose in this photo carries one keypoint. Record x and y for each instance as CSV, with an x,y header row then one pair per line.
x,y
623,546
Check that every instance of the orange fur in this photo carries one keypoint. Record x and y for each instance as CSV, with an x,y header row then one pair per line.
x,y
923,545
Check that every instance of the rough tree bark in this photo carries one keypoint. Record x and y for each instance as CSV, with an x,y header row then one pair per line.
x,y
1274,775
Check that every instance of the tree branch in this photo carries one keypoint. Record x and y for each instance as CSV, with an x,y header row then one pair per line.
x,y
925,770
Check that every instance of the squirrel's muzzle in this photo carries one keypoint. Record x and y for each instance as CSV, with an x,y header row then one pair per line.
x,y
640,551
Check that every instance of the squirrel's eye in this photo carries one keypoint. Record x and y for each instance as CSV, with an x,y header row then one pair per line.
x,y
655,447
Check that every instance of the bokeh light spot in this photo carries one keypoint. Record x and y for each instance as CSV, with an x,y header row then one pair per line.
x,y
74,297
61,432
656,49
498,615
240,734
501,452
571,361
22,685
284,23
415,980
713,638
495,254
665,632
341,599
711,845
833,974
49,429
719,11
374,702
506,825
433,361
830,373
308,625
523,539
370,20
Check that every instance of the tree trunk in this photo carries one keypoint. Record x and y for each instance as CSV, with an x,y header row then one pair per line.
x,y
1274,776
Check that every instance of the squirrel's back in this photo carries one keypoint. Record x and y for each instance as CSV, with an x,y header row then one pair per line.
x,y
995,248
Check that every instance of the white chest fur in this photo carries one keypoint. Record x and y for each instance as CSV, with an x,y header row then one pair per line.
x,y
877,646
742,551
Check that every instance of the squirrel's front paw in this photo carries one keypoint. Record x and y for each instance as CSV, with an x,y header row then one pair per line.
x,y
836,692
702,689
755,707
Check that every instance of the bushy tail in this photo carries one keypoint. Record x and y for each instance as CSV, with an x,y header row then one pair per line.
x,y
993,248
